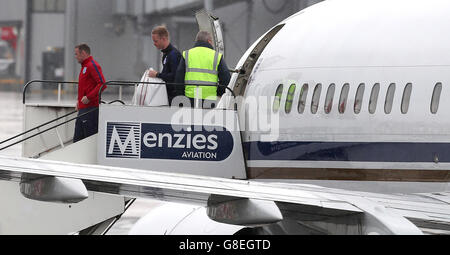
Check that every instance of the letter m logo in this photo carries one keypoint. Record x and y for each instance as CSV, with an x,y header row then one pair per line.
x,y
123,140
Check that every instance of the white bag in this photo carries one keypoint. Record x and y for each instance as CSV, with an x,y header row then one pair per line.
x,y
150,94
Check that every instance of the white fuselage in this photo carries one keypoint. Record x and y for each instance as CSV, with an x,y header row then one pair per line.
x,y
356,42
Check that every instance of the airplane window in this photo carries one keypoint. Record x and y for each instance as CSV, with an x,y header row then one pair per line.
x,y
359,97
276,102
343,97
316,98
289,99
389,98
436,98
329,99
302,101
406,98
374,98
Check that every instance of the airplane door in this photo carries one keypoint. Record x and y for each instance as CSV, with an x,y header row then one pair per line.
x,y
208,22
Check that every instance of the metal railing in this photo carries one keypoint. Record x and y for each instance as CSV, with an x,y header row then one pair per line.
x,y
37,127
135,83
25,89
59,83
45,130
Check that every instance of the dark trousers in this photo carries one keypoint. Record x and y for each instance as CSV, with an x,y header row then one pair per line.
x,y
87,124
204,103
170,98
184,101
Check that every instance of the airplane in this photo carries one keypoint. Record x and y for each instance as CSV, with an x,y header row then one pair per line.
x,y
333,124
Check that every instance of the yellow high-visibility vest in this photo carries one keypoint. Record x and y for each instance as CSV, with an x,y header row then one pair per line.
x,y
201,69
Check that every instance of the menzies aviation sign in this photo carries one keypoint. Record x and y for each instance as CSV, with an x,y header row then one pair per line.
x,y
162,141
155,139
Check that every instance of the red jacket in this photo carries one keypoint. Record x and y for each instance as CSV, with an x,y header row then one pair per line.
x,y
89,82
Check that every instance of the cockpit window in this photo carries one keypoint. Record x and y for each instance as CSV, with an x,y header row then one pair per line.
x,y
278,94
302,100
406,98
389,98
289,98
374,98
359,97
436,98
343,97
329,98
316,98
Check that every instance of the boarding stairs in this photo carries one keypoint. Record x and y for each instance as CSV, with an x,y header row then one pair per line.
x,y
48,126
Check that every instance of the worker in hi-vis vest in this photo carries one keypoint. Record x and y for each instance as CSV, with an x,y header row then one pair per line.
x,y
202,65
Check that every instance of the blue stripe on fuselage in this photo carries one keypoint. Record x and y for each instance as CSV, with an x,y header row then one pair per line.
x,y
349,151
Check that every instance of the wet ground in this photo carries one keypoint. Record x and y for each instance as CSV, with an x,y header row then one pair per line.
x,y
11,115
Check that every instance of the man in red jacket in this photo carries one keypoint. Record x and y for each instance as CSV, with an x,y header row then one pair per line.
x,y
89,82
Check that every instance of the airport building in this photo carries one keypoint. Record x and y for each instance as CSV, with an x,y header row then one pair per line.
x,y
38,36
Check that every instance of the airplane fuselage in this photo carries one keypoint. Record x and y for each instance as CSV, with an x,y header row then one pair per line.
x,y
359,95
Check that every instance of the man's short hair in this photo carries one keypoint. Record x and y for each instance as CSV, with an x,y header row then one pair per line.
x,y
84,47
161,31
203,36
